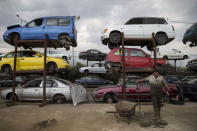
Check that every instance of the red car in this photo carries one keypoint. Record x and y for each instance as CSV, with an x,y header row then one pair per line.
x,y
113,93
136,60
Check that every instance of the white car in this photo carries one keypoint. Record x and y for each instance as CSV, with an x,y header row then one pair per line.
x,y
175,54
138,32
95,68
57,90
58,54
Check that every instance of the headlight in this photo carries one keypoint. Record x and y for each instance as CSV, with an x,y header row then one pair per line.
x,y
105,30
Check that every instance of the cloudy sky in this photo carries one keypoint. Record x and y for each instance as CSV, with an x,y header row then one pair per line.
x,y
96,14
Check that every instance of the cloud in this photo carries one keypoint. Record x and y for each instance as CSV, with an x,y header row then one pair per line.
x,y
96,14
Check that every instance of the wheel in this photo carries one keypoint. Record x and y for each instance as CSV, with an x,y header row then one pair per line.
x,y
165,57
64,39
108,99
51,67
60,99
6,69
14,38
185,57
110,46
65,58
115,38
67,48
9,97
86,72
161,39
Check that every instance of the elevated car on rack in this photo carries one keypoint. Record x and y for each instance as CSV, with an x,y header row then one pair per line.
x,y
30,60
175,54
136,60
192,65
113,93
191,35
95,68
138,32
58,28
92,55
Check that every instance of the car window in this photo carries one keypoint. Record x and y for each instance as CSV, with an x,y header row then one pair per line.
x,y
64,21
51,83
65,81
34,23
52,22
86,78
95,65
137,53
153,21
119,52
131,84
35,83
11,54
30,54
134,21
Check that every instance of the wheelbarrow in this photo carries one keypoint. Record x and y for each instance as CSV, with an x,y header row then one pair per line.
x,y
124,109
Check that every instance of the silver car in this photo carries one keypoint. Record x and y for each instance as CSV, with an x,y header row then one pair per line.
x,y
95,68
57,90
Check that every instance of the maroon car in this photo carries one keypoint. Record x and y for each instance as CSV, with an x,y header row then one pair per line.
x,y
113,93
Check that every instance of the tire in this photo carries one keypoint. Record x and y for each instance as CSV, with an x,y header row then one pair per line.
x,y
86,72
51,67
6,69
9,97
108,98
110,46
165,57
59,99
14,38
185,57
67,48
64,39
161,39
115,38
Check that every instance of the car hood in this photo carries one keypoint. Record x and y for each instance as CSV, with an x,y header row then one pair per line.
x,y
115,27
13,27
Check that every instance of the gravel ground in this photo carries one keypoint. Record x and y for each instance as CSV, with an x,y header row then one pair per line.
x,y
92,117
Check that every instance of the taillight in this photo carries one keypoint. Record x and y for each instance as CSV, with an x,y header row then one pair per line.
x,y
173,28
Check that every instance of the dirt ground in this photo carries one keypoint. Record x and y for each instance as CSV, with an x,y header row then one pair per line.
x,y
92,117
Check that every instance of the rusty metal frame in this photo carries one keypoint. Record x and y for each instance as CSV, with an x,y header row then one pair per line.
x,y
16,44
123,68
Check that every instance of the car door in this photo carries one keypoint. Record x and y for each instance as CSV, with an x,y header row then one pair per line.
x,y
94,68
118,53
55,26
138,59
51,89
144,91
33,30
133,28
131,90
31,60
31,90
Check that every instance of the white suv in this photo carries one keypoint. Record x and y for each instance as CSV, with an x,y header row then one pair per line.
x,y
138,32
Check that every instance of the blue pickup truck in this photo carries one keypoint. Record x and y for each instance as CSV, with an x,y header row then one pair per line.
x,y
60,28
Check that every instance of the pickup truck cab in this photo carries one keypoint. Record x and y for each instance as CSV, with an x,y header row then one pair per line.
x,y
61,28
136,60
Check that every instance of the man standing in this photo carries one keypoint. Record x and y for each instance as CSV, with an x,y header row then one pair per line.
x,y
157,83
